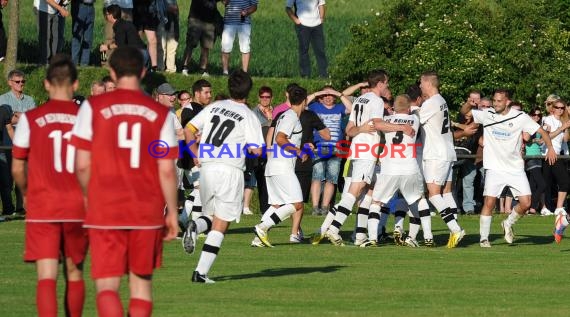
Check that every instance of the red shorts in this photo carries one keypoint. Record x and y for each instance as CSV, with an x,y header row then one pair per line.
x,y
51,240
115,252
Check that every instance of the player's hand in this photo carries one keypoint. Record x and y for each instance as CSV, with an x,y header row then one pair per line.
x,y
304,157
550,156
196,162
171,229
470,129
408,130
367,127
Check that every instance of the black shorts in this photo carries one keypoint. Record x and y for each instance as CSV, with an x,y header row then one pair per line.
x,y
305,179
143,19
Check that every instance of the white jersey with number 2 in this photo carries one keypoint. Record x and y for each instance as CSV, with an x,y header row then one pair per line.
x,y
437,136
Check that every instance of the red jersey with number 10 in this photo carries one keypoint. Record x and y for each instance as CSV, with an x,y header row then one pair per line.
x,y
126,133
42,137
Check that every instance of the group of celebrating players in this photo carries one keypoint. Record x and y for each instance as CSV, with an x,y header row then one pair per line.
x,y
83,167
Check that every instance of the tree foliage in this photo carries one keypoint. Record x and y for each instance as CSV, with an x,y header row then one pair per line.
x,y
481,44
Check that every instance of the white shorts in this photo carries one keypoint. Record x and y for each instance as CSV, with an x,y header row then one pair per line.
x,y
362,171
410,186
283,189
229,34
495,181
437,172
221,191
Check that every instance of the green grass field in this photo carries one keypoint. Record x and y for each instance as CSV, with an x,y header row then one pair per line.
x,y
528,278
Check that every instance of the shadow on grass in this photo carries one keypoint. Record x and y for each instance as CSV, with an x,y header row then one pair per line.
x,y
281,272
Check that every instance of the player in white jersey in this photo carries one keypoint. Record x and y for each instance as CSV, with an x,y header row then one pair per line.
x,y
229,129
438,153
400,169
283,188
363,126
502,160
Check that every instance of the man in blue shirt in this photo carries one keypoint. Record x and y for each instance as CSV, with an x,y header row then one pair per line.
x,y
326,165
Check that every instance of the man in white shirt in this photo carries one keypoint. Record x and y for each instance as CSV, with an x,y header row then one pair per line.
x,y
503,162
283,188
309,16
438,154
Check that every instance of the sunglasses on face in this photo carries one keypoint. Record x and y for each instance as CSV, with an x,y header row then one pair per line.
x,y
265,97
536,114
559,108
23,81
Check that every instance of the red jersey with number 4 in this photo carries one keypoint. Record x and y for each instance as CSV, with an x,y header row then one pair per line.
x,y
42,138
126,133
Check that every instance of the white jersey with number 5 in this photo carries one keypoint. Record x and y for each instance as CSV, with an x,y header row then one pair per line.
x,y
437,136
366,107
399,156
227,127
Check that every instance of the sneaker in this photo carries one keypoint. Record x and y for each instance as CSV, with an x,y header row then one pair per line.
x,y
412,243
454,238
185,71
247,211
545,212
189,238
295,238
560,225
485,244
317,237
429,243
369,244
201,278
257,243
2,59
205,74
398,236
225,73
316,211
334,238
361,241
509,233
262,235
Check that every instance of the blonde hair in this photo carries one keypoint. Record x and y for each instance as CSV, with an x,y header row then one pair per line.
x,y
402,103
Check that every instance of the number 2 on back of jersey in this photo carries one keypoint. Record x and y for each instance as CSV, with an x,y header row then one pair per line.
x,y
446,122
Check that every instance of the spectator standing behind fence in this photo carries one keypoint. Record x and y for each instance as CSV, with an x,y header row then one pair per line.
x,y
309,16
202,20
51,26
82,22
533,167
168,33
556,124
237,20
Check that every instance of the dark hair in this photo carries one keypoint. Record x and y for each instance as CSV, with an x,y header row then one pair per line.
x,y
199,84
61,70
127,61
239,84
414,92
503,91
377,76
265,89
297,95
533,110
182,92
475,91
221,96
291,87
107,79
114,10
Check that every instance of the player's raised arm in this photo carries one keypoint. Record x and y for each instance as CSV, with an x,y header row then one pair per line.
x,y
384,126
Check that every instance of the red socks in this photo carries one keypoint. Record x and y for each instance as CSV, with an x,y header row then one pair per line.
x,y
109,304
140,308
75,297
46,300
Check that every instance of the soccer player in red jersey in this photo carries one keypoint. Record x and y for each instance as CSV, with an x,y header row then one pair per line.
x,y
55,210
126,146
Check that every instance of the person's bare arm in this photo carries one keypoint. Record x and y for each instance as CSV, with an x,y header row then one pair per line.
x,y
64,13
325,134
19,173
349,91
384,126
292,16
192,139
283,142
167,178
83,168
322,13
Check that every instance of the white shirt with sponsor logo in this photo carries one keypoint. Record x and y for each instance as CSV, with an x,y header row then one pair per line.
x,y
279,161
503,138
364,108
436,133
399,156
227,127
